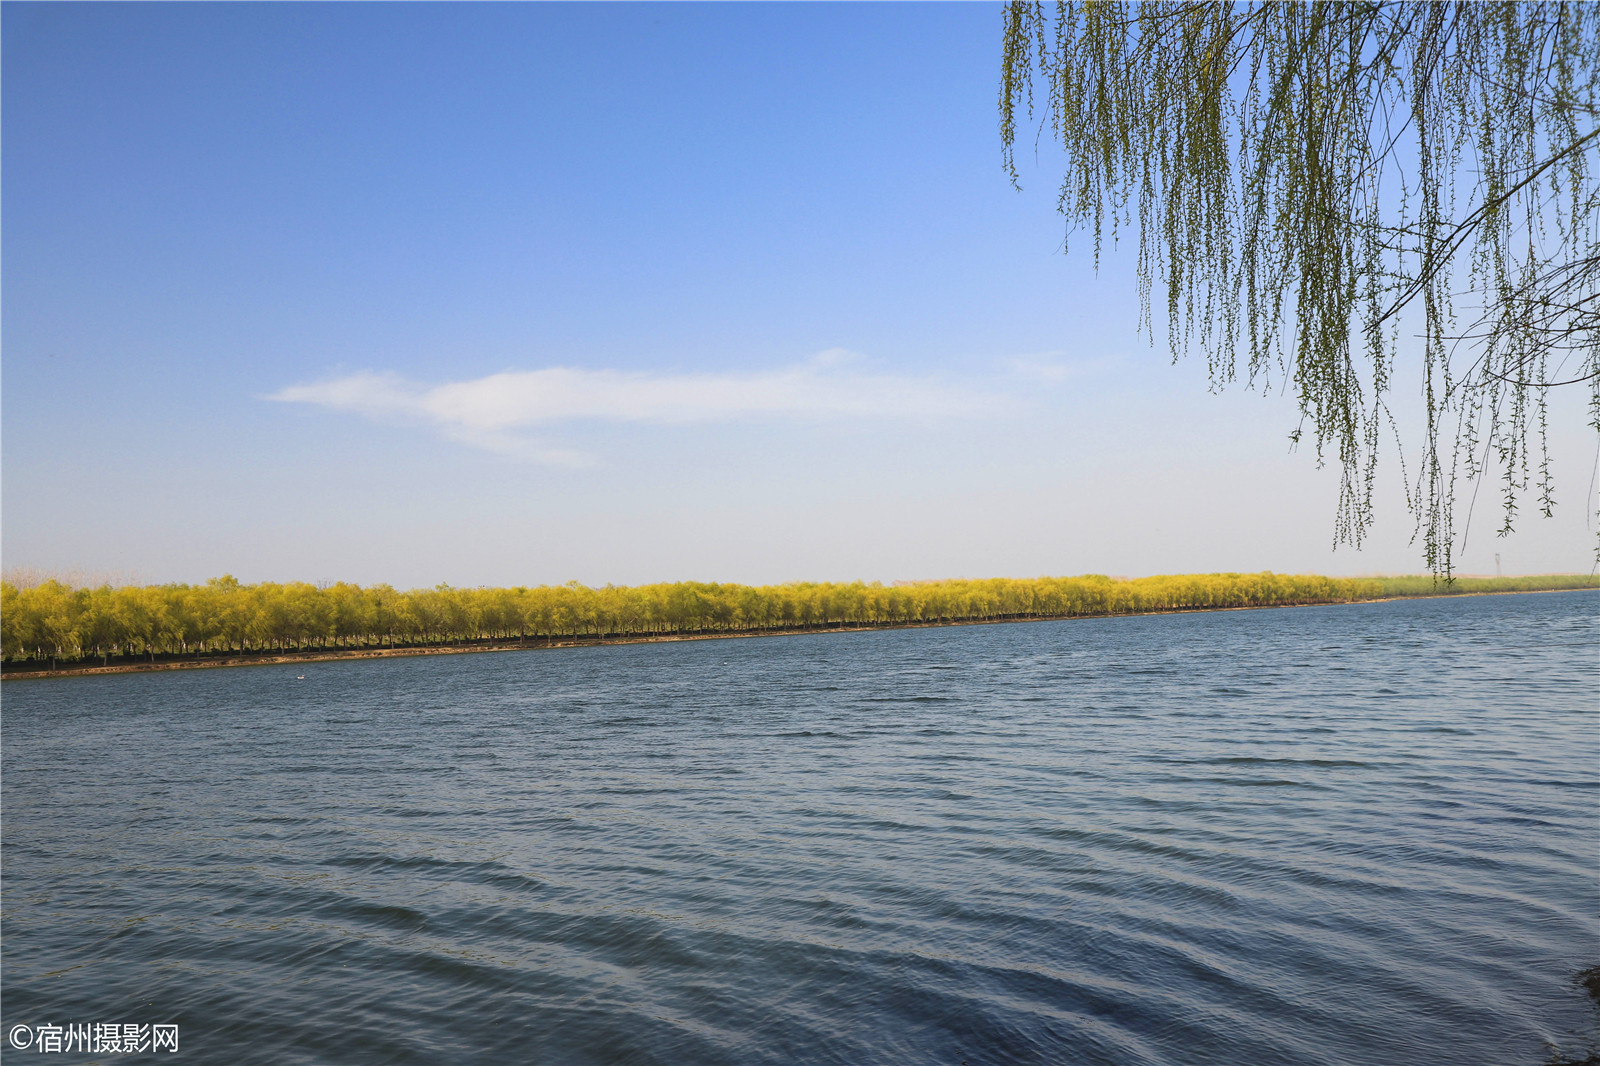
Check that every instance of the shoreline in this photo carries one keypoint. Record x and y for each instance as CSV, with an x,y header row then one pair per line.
x,y
279,658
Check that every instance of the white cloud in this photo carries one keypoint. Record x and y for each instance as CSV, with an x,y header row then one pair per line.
x,y
1052,368
490,412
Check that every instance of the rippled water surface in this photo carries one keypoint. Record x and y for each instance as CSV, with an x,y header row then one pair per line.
x,y
1357,834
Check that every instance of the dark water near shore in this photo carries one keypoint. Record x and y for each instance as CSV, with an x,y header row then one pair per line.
x,y
1351,835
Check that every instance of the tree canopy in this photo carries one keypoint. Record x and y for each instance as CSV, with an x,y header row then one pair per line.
x,y
51,622
1320,188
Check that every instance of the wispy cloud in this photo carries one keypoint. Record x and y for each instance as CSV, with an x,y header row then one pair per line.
x,y
495,412
1053,368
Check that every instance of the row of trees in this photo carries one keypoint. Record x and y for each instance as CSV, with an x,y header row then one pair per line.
x,y
57,622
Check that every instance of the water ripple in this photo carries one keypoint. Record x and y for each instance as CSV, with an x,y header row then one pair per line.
x,y
1351,835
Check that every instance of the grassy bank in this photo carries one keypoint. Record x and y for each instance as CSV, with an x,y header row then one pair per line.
x,y
53,626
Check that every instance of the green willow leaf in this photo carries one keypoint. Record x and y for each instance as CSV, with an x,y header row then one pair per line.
x,y
1322,188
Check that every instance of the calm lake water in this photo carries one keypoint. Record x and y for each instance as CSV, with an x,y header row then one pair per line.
x,y
1345,835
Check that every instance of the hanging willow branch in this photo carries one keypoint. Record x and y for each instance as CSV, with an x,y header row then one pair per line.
x,y
1322,187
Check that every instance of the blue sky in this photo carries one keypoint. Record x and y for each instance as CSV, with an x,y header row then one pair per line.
x,y
505,294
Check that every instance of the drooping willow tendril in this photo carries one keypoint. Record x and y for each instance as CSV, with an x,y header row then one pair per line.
x,y
1322,189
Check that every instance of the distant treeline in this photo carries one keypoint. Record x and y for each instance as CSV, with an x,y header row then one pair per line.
x,y
60,624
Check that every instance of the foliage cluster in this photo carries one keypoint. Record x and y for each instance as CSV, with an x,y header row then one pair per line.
x,y
1424,585
1314,183
53,621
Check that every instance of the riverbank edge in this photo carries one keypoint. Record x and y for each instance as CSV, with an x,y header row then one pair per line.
x,y
541,644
